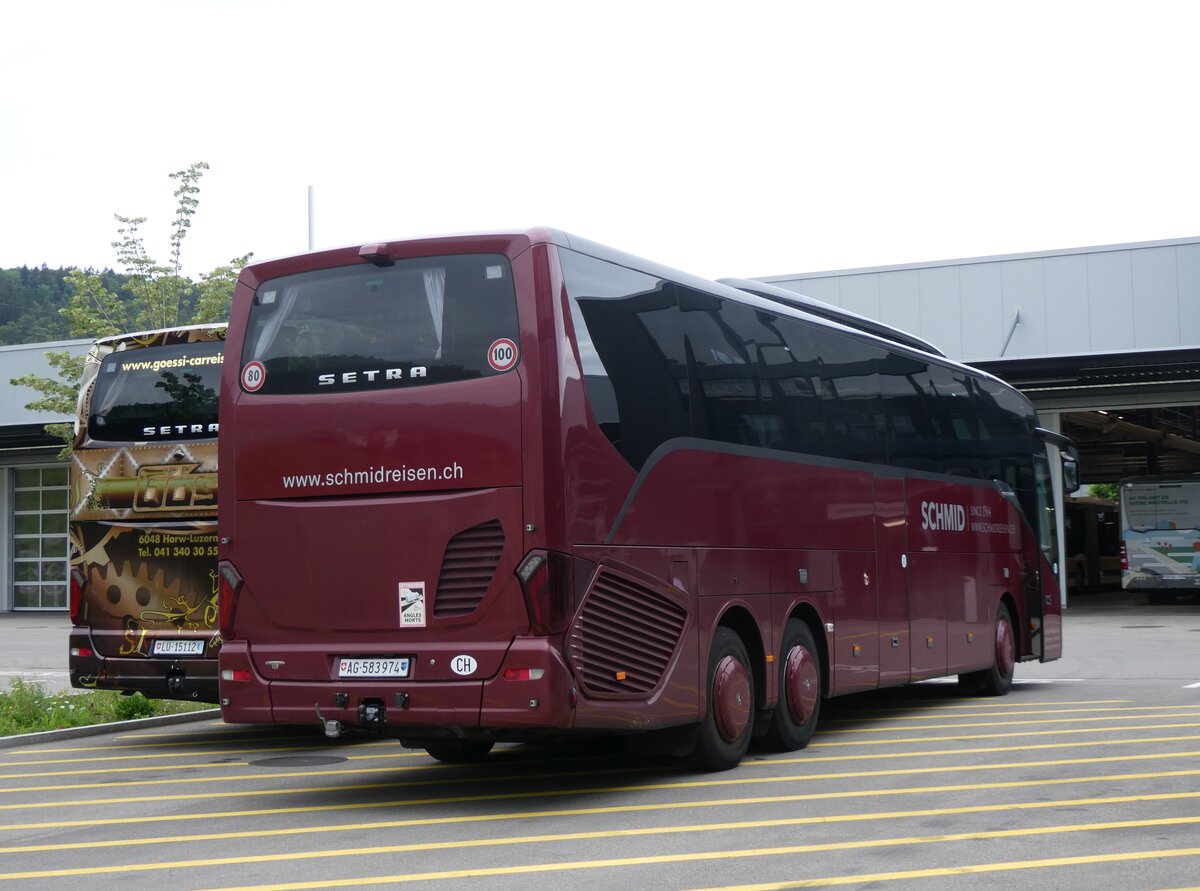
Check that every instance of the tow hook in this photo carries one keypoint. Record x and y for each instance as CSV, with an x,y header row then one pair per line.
x,y
333,729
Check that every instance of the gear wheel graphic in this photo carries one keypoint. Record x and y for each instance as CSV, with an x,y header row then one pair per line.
x,y
146,597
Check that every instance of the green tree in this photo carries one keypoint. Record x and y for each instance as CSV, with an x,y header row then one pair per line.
x,y
1111,491
153,296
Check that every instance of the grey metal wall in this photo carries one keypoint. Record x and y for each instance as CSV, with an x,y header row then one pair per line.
x,y
1085,300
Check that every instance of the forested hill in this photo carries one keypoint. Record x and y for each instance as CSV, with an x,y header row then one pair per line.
x,y
30,300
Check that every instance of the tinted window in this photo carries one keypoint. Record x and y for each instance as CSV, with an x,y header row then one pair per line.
x,y
850,394
421,321
161,392
630,344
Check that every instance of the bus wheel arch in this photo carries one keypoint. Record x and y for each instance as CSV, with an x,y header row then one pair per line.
x,y
1006,650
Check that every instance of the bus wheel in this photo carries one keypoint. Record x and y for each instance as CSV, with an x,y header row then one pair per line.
x,y
459,751
795,715
725,731
997,680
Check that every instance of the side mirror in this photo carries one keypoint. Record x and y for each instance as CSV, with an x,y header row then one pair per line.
x,y
1070,474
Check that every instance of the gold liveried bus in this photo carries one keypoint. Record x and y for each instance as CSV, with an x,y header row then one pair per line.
x,y
144,515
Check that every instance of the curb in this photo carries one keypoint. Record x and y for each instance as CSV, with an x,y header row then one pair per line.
x,y
28,739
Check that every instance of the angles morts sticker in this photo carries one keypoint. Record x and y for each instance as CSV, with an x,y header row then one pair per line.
x,y
412,604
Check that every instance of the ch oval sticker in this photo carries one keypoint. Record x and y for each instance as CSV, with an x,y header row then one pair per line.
x,y
463,665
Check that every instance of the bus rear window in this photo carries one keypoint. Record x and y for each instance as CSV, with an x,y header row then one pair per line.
x,y
420,321
162,392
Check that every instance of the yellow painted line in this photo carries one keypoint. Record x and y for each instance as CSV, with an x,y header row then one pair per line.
x,y
943,712
890,729
580,812
62,750
809,759
973,703
890,741
932,873
1041,832
802,759
516,796
324,750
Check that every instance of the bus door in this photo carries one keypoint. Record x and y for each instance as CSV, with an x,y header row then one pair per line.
x,y
891,543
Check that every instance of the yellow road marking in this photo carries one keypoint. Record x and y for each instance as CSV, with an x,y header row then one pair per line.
x,y
891,729
809,759
489,818
890,741
143,756
939,712
515,796
931,873
857,844
905,771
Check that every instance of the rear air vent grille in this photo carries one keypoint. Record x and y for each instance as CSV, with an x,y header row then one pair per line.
x,y
624,638
467,569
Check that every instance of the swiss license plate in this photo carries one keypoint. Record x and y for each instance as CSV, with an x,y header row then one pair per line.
x,y
381,667
180,647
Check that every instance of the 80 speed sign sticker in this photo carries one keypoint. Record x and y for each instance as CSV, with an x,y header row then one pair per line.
x,y
254,375
502,355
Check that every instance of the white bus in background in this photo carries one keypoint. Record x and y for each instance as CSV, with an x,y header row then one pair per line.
x,y
1160,536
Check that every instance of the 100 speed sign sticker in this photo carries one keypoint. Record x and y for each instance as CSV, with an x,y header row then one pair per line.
x,y
502,354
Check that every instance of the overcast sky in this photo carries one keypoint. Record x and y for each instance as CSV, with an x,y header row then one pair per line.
x,y
746,139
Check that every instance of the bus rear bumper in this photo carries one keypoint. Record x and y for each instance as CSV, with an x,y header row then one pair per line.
x,y
532,691
192,680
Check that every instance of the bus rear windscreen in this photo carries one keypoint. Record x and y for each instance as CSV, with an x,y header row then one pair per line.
x,y
419,321
158,393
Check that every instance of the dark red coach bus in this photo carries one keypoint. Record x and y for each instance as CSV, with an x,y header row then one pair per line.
x,y
519,486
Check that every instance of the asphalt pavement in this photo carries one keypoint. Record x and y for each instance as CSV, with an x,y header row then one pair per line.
x,y
33,645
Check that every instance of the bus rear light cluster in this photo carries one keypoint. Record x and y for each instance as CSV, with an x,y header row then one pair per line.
x,y
553,585
82,652
1124,557
77,584
524,674
235,674
229,586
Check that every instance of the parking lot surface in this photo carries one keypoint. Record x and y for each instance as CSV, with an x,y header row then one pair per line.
x,y
1087,775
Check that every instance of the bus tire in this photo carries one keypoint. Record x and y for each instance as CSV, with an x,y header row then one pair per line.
x,y
728,722
458,751
997,680
795,715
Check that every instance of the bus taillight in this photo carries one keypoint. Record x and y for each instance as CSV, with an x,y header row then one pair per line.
x,y
1124,557
230,585
553,587
77,583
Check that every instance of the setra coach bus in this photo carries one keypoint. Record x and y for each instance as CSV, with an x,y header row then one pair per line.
x,y
144,515
522,486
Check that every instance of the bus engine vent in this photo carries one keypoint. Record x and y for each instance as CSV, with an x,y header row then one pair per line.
x,y
467,569
624,637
